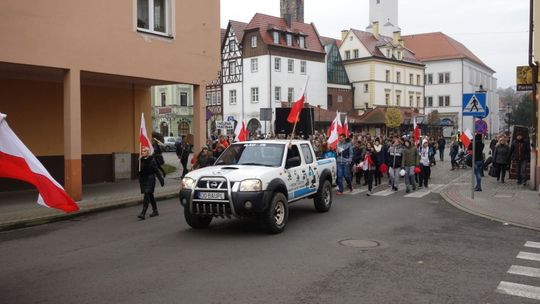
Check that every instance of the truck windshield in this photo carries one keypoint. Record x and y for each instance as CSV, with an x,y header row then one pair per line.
x,y
252,154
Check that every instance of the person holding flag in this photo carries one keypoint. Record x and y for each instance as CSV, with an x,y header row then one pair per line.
x,y
17,162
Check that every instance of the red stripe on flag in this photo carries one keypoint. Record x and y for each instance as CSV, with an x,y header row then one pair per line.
x,y
294,115
54,197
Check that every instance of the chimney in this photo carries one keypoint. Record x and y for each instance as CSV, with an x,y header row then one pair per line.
x,y
396,38
344,34
375,29
288,19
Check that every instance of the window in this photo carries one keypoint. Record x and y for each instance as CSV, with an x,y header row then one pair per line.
x,y
214,99
444,77
347,55
231,45
303,67
399,55
302,42
411,79
183,99
429,78
441,101
387,98
232,67
254,65
387,76
290,66
154,16
218,98
254,95
308,154
277,94
446,101
277,64
398,100
289,40
356,53
329,100
276,37
388,54
418,101
398,77
290,95
163,99
417,79
411,98
366,88
232,97
339,98
254,41
429,101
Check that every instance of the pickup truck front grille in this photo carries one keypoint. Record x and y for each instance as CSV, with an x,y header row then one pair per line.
x,y
212,197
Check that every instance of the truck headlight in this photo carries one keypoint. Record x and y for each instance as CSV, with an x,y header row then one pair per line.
x,y
251,185
188,183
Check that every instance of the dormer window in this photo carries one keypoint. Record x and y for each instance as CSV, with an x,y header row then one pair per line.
x,y
302,42
276,37
388,54
289,40
254,41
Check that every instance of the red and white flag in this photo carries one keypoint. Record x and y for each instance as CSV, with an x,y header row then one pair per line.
x,y
17,162
143,136
241,131
346,127
334,132
466,138
296,109
416,132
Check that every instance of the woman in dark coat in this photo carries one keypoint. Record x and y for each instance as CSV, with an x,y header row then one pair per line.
x,y
147,180
501,158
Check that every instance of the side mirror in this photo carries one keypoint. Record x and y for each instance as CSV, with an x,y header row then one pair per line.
x,y
293,162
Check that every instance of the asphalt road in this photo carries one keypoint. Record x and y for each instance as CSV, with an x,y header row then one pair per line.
x,y
430,253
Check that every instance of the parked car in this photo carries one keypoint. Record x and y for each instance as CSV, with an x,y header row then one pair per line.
x,y
170,143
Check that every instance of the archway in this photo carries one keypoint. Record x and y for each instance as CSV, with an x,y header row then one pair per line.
x,y
164,128
183,128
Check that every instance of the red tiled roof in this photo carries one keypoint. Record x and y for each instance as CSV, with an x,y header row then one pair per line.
x,y
329,40
439,46
372,45
263,23
239,28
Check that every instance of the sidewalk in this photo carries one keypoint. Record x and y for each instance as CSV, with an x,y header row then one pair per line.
x,y
20,209
508,203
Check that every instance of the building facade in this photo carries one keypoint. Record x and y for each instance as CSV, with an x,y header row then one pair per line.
x,y
267,64
382,70
172,109
84,84
385,13
340,95
451,71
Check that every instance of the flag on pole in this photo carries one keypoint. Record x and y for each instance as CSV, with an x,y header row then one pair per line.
x,y
296,109
334,132
416,132
143,136
241,131
346,127
17,162
466,138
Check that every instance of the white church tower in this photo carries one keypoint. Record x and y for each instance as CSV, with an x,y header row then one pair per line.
x,y
385,12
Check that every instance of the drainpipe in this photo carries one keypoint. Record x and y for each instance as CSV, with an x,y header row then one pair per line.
x,y
534,68
270,88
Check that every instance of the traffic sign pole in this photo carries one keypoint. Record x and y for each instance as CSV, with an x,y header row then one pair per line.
x,y
473,155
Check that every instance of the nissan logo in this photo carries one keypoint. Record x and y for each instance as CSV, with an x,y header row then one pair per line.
x,y
213,185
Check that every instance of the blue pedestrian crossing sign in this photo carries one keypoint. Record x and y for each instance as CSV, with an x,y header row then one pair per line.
x,y
474,104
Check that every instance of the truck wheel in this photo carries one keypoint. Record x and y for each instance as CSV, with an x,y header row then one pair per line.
x,y
196,221
276,216
323,197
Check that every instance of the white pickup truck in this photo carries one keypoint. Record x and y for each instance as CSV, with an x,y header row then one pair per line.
x,y
258,179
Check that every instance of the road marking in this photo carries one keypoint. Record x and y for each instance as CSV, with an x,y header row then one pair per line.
x,y
532,245
355,192
418,193
528,256
519,290
525,271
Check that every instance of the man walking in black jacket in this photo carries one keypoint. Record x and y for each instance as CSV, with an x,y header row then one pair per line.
x,y
521,153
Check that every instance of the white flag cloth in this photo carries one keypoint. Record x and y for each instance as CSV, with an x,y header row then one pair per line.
x,y
143,136
17,162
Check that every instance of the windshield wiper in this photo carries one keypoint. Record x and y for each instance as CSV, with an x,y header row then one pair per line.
x,y
256,164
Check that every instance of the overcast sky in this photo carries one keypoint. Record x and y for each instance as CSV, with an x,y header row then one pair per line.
x,y
494,30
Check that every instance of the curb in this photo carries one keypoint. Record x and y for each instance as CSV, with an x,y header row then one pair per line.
x,y
99,207
447,196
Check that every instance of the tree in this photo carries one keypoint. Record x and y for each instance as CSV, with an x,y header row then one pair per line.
x,y
434,118
522,113
394,119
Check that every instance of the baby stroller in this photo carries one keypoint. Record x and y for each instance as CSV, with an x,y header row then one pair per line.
x,y
463,159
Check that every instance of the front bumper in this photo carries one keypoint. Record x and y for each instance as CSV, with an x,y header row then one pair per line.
x,y
240,201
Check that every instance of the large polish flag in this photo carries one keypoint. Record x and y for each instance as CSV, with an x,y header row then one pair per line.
x,y
17,162
143,136
416,132
466,138
334,132
346,127
296,109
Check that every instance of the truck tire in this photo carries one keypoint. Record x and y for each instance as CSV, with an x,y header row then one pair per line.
x,y
323,197
275,218
196,221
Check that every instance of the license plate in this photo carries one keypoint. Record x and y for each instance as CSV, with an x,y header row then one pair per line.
x,y
212,195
